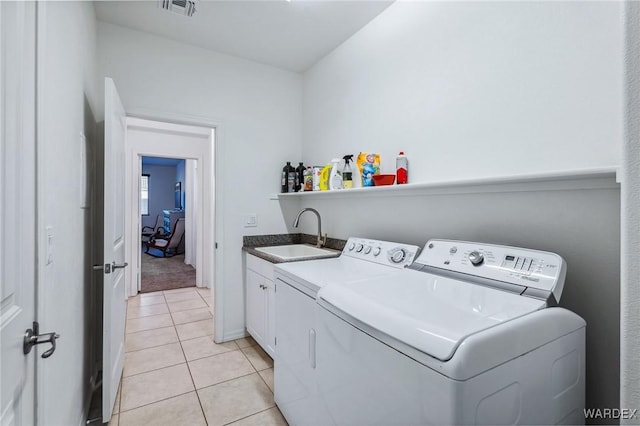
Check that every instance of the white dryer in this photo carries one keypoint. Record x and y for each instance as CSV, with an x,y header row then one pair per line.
x,y
468,335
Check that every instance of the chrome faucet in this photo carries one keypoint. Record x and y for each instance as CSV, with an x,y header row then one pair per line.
x,y
321,240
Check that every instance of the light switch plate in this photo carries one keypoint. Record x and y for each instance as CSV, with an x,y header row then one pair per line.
x,y
49,233
251,220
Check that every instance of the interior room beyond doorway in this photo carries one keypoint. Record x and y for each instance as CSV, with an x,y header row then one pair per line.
x,y
162,216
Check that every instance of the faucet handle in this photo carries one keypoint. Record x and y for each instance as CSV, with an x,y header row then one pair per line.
x,y
321,240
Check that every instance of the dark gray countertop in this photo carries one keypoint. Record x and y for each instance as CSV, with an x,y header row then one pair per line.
x,y
251,242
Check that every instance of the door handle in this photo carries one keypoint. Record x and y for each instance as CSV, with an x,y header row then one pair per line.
x,y
312,347
115,266
106,268
33,337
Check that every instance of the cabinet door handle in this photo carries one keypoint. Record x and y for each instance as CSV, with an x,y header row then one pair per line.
x,y
312,347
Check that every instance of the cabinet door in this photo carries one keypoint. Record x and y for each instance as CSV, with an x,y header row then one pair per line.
x,y
270,332
256,306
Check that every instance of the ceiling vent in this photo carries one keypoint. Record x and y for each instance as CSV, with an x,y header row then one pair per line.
x,y
180,7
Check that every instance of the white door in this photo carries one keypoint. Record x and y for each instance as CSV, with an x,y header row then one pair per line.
x,y
17,211
114,248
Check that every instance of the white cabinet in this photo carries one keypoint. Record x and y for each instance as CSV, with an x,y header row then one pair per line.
x,y
260,304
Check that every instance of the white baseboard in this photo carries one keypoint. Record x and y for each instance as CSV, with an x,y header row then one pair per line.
x,y
235,334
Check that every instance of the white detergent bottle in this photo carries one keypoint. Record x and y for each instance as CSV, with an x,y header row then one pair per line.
x,y
335,178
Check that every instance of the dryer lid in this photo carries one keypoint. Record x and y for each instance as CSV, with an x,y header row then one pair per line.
x,y
428,312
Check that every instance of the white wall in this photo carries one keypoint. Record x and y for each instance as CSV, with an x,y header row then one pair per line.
x,y
478,89
67,92
162,181
258,109
630,292
473,89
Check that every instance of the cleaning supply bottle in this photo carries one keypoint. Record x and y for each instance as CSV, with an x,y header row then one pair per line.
x,y
402,168
299,176
347,172
317,177
307,184
324,177
291,178
284,180
335,179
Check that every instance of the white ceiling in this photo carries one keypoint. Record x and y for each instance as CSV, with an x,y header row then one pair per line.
x,y
290,35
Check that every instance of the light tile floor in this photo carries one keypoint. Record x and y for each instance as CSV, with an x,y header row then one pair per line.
x,y
174,373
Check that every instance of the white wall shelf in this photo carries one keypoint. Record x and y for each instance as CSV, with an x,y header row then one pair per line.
x,y
599,178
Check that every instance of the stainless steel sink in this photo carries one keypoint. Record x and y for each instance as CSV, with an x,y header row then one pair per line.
x,y
297,252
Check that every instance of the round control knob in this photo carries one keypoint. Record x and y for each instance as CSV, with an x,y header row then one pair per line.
x,y
359,248
397,256
352,246
476,258
367,250
377,251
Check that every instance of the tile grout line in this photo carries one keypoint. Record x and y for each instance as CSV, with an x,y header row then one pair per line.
x,y
170,343
154,402
144,316
250,346
265,383
155,369
209,356
204,415
228,380
250,363
153,328
254,414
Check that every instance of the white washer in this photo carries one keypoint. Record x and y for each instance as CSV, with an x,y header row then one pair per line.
x,y
466,336
297,284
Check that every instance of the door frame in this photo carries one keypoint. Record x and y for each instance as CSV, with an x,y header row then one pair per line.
x,y
214,231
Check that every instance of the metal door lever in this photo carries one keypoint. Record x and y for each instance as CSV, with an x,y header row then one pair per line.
x,y
106,268
33,337
115,266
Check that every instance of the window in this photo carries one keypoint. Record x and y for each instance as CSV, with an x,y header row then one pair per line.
x,y
144,195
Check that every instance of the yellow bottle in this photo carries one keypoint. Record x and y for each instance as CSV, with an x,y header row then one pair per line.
x,y
324,177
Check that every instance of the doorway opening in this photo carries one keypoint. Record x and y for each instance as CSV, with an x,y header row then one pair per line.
x,y
164,241
170,198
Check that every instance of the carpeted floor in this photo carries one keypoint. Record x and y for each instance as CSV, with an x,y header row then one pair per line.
x,y
166,273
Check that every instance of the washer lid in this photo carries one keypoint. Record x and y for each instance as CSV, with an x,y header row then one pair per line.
x,y
315,274
430,313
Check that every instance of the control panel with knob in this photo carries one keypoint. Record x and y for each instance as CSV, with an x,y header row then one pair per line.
x,y
395,254
532,270
475,257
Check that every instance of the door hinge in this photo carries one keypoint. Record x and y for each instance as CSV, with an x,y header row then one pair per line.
x,y
275,341
216,245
